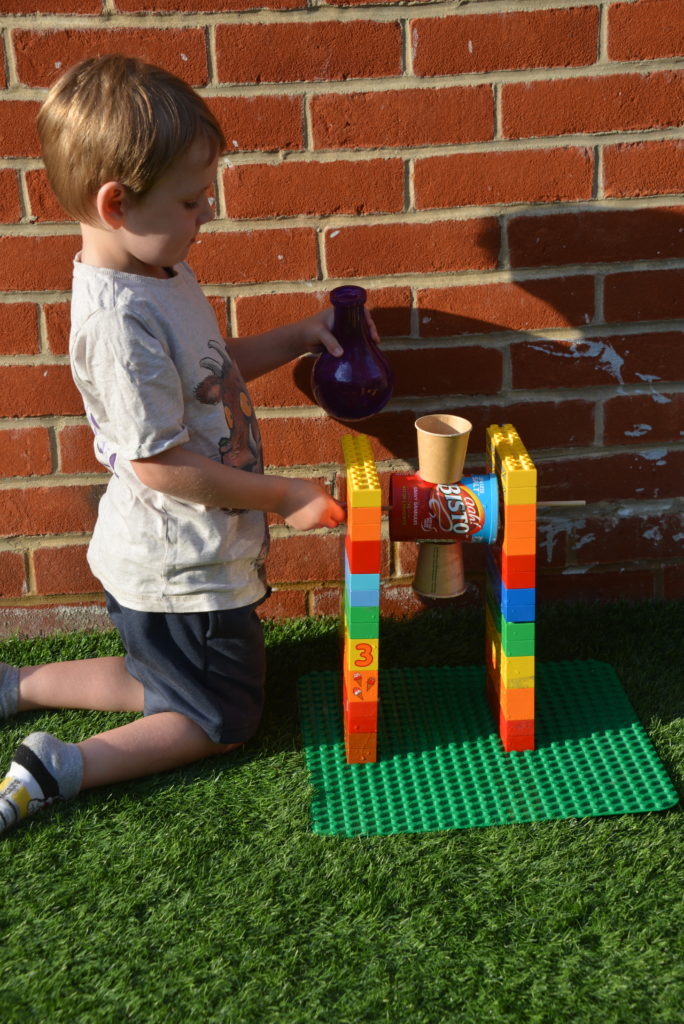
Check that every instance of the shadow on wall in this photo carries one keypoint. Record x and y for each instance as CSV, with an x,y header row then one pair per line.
x,y
452,350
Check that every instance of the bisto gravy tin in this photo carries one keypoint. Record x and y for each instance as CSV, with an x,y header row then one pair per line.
x,y
466,510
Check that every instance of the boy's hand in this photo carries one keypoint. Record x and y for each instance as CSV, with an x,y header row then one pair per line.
x,y
307,505
316,332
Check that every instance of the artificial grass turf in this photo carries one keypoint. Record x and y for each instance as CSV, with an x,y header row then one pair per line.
x,y
203,896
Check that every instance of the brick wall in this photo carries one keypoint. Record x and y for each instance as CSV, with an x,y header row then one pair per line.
x,y
505,178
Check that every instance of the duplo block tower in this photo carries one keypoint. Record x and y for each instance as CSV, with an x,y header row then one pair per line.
x,y
510,487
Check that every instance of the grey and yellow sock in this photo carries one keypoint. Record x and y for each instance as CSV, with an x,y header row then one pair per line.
x,y
44,769
9,690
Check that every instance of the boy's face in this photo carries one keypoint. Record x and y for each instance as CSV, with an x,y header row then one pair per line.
x,y
160,227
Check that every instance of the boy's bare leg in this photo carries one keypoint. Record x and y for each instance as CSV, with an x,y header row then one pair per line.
x,y
94,684
144,747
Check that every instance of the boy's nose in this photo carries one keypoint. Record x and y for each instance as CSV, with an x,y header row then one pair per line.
x,y
207,211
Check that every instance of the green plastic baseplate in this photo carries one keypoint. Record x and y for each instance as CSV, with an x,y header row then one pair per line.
x,y
441,764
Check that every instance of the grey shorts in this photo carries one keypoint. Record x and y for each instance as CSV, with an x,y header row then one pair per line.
x,y
209,666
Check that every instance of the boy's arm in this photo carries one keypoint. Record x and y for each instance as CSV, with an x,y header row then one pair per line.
x,y
189,476
261,353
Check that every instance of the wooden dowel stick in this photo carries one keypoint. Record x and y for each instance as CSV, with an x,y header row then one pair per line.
x,y
560,504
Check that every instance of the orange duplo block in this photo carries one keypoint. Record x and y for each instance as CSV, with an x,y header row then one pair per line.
x,y
361,747
517,704
361,717
360,685
363,532
526,530
363,555
520,514
361,516
514,546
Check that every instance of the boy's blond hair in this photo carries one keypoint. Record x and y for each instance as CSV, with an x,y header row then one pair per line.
x,y
115,118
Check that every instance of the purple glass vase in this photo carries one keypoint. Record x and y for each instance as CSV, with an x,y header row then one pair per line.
x,y
358,383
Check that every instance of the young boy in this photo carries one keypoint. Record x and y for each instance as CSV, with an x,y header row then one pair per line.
x,y
181,538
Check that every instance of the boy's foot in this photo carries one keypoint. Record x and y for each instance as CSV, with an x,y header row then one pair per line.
x,y
44,769
9,690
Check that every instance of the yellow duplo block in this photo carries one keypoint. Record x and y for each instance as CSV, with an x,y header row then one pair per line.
x,y
363,483
361,655
517,671
524,496
517,703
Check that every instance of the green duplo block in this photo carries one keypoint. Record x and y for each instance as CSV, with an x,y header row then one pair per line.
x,y
517,638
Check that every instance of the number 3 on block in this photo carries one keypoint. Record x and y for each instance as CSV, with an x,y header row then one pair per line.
x,y
364,654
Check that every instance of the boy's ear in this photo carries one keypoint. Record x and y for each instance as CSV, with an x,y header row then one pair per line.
x,y
110,201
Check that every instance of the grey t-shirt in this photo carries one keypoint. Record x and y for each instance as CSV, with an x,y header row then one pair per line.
x,y
148,358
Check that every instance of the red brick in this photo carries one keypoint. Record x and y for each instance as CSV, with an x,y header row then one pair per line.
x,y
267,123
390,308
75,449
18,328
57,319
647,418
610,103
43,390
469,43
624,584
12,574
51,7
10,203
412,248
630,358
38,264
466,370
303,52
294,441
42,56
35,511
18,128
63,570
644,168
284,604
212,6
406,117
596,237
25,451
645,295
533,176
524,305
301,557
312,188
44,205
287,254
327,600
645,30
649,473
673,582
627,535
219,304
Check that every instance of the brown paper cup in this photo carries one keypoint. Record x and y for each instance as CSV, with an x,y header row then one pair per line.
x,y
442,447
439,571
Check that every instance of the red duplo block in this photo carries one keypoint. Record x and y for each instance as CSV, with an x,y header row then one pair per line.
x,y
361,716
364,555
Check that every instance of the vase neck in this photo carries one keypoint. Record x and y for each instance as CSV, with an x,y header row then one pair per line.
x,y
349,323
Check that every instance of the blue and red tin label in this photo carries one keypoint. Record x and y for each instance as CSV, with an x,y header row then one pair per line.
x,y
466,510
